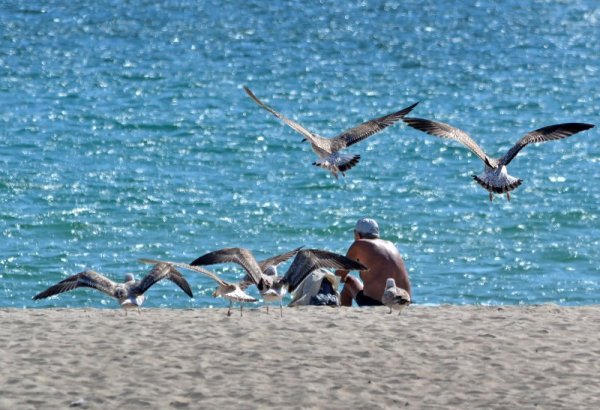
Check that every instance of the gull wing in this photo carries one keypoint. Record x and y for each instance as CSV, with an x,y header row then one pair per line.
x,y
395,295
239,295
291,123
241,256
198,269
366,129
163,271
88,278
277,260
176,277
308,260
549,133
442,130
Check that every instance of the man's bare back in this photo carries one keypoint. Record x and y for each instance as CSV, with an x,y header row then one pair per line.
x,y
383,260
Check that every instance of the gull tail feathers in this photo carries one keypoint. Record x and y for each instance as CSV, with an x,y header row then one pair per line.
x,y
401,300
337,162
501,188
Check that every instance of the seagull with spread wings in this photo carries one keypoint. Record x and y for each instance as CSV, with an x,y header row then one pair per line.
x,y
271,286
328,149
229,291
130,293
495,177
257,271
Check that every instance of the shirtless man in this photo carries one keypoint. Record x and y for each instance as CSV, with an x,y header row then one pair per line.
x,y
383,260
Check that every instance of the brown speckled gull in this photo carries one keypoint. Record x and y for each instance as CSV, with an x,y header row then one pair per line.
x,y
328,149
394,297
130,293
229,291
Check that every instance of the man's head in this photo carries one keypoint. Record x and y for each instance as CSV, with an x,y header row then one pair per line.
x,y
366,228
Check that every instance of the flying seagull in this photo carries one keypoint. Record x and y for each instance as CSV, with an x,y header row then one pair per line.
x,y
229,291
495,177
394,297
271,286
328,149
130,293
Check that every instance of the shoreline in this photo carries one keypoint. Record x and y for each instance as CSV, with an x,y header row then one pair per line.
x,y
448,356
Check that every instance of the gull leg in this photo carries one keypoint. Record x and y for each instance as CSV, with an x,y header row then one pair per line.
x,y
229,310
139,311
267,307
281,307
241,309
390,312
491,197
508,196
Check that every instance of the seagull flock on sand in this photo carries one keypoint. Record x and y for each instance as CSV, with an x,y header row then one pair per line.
x,y
263,274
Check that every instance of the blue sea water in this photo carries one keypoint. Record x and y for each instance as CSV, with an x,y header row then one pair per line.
x,y
125,133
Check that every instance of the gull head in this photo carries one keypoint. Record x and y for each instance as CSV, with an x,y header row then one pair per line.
x,y
390,283
129,278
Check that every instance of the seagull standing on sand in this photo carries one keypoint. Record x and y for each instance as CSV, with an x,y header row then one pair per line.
x,y
271,286
495,177
394,297
328,149
229,291
130,293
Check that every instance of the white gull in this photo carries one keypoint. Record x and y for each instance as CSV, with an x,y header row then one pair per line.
x,y
495,177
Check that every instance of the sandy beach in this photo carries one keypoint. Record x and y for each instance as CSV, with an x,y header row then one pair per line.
x,y
430,357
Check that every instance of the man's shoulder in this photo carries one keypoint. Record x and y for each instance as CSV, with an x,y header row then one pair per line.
x,y
377,245
371,240
370,243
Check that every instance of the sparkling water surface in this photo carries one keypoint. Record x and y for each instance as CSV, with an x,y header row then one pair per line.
x,y
125,133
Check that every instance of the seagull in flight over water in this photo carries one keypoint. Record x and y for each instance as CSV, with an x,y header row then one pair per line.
x,y
495,177
130,293
271,286
328,149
